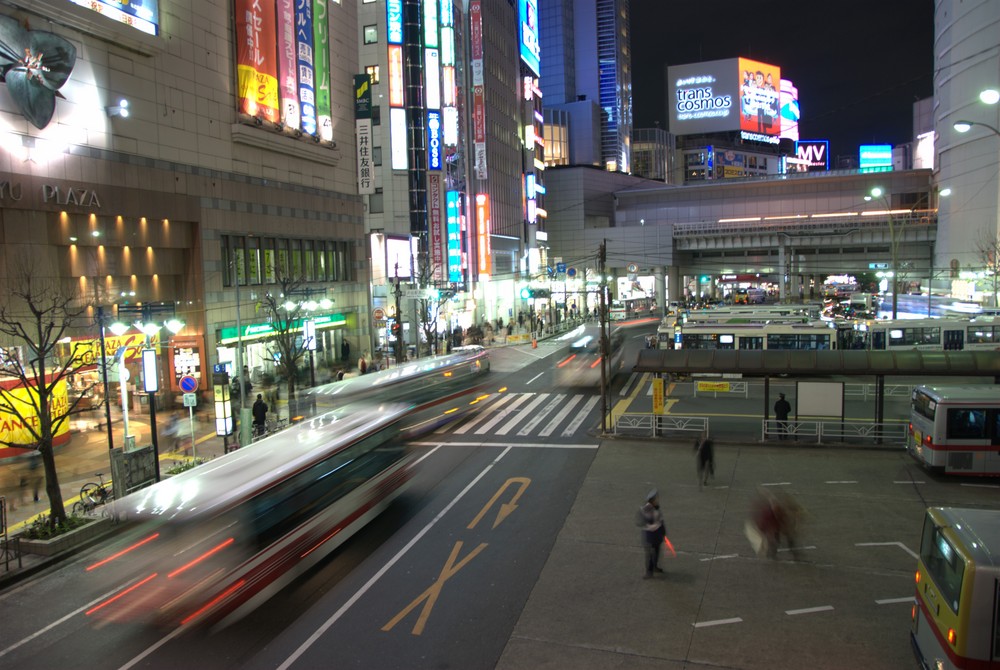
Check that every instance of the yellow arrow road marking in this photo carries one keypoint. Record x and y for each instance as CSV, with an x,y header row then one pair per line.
x,y
506,508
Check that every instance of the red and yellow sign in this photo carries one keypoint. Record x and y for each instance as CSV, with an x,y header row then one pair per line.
x,y
90,350
18,416
256,59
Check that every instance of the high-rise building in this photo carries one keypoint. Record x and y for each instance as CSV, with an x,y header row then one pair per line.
x,y
587,72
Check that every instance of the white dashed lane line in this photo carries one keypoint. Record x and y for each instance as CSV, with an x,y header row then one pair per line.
x,y
894,601
810,610
717,622
846,481
717,558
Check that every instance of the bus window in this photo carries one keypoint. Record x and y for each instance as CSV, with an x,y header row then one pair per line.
x,y
966,424
945,566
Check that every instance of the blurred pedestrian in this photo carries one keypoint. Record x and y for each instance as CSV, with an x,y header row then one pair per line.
x,y
345,350
705,458
654,531
781,409
36,473
362,365
172,431
259,416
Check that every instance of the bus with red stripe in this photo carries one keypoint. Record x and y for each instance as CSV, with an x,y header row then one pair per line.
x,y
956,429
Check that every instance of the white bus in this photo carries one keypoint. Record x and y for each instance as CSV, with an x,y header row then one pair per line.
x,y
796,336
956,429
950,334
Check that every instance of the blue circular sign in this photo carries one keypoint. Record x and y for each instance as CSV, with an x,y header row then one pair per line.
x,y
188,384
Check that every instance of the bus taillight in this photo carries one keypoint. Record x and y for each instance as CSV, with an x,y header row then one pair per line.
x,y
927,440
917,577
911,429
951,636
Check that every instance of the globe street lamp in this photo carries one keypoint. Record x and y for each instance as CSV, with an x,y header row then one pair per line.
x,y
877,192
966,126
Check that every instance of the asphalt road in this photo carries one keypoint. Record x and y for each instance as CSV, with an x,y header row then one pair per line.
x,y
515,549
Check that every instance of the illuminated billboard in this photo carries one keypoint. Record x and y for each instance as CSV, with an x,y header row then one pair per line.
x,y
875,157
433,139
734,94
530,47
144,16
816,154
789,111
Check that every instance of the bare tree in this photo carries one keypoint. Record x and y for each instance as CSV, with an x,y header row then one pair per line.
x,y
284,309
429,309
988,253
34,316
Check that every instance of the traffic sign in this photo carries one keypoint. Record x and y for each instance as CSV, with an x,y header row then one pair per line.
x,y
378,314
560,267
190,399
188,384
632,268
571,272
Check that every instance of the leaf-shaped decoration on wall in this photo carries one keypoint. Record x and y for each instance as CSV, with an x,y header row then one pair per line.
x,y
34,64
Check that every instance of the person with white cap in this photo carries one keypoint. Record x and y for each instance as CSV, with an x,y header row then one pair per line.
x,y
653,531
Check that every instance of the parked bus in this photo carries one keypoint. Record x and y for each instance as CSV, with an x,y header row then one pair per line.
x,y
954,616
952,334
799,336
956,428
631,308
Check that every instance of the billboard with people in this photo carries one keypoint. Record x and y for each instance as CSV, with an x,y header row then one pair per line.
x,y
733,94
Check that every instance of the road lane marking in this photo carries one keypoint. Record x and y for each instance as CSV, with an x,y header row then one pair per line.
x,y
888,544
584,413
507,427
910,481
497,417
716,558
797,548
809,610
777,484
843,481
534,378
893,601
982,486
558,418
540,416
311,640
506,445
493,411
717,622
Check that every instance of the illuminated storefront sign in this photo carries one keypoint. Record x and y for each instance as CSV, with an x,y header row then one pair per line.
x,y
288,85
483,234
305,60
394,21
453,213
430,23
363,133
435,223
432,79
143,16
395,76
478,90
789,112
20,427
321,39
433,139
397,138
450,123
759,97
449,90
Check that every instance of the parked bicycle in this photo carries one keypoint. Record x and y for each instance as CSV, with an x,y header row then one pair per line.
x,y
93,494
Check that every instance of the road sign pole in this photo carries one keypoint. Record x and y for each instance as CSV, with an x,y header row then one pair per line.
x,y
194,454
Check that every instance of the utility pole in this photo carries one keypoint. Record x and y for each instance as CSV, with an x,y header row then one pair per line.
x,y
602,256
397,327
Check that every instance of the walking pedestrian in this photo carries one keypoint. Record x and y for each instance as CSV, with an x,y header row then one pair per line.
x,y
173,430
36,473
654,531
781,409
705,457
259,415
345,350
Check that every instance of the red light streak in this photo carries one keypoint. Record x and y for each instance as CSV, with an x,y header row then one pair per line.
x,y
213,602
595,363
201,558
666,541
566,361
321,542
123,552
120,595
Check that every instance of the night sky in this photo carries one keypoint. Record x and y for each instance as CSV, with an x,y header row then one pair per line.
x,y
859,65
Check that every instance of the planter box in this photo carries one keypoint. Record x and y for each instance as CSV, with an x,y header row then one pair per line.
x,y
66,541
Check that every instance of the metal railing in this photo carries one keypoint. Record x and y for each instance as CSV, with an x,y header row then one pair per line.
x,y
841,432
658,425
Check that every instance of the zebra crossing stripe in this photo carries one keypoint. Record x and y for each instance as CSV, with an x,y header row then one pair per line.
x,y
507,427
575,423
500,416
531,425
558,418
493,417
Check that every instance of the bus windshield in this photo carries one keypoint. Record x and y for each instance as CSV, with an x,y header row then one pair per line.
x,y
924,405
944,565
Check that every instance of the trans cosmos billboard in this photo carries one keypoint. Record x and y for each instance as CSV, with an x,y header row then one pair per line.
x,y
734,94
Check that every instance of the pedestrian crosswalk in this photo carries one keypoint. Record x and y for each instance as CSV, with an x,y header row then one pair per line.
x,y
523,414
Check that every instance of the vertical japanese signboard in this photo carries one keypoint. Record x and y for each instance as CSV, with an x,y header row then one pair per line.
x,y
321,64
305,62
288,83
256,61
478,89
363,130
434,219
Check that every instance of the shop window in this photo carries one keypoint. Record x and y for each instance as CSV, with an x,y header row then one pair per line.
x,y
295,258
239,260
376,115
372,71
268,260
309,258
377,156
331,260
253,260
321,269
281,268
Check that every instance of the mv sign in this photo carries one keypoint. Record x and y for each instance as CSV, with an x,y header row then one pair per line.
x,y
816,153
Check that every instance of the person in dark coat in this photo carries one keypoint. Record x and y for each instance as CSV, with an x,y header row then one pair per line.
x,y
705,457
345,350
259,415
653,532
781,410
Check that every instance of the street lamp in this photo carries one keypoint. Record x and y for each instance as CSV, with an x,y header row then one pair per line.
x,y
877,192
966,126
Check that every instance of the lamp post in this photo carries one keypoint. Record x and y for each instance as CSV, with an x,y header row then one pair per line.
x,y
877,192
104,377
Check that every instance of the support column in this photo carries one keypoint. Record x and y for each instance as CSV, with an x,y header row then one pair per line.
x,y
675,286
782,267
659,281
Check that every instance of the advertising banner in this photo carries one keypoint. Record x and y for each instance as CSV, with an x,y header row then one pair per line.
x,y
366,176
16,426
304,61
529,44
815,152
256,61
434,216
759,97
288,84
434,157
321,39
453,212
483,250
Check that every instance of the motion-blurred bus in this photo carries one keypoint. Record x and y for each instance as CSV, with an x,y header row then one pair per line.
x,y
956,429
